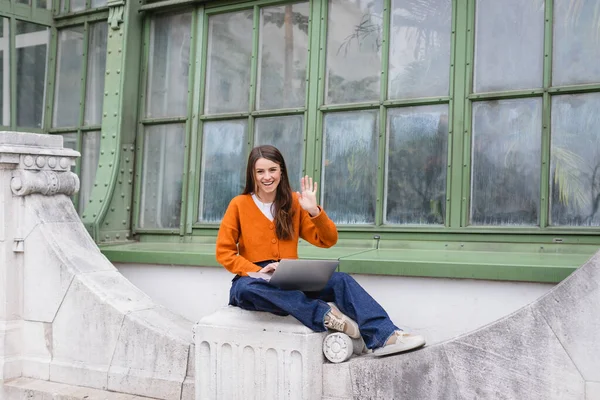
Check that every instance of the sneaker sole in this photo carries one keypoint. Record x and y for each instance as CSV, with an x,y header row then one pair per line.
x,y
398,348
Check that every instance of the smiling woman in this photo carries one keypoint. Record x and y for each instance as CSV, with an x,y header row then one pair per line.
x,y
247,242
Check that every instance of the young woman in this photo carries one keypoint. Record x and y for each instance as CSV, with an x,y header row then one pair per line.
x,y
263,225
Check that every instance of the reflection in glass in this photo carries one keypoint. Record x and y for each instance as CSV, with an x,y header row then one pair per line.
x,y
228,66
4,72
23,2
90,154
32,44
576,42
575,160
504,60
349,180
68,77
506,151
287,134
416,168
167,93
162,176
223,167
96,68
419,49
47,4
354,38
98,3
283,53
70,142
77,5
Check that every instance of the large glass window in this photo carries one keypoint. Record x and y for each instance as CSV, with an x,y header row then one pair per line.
x,y
506,162
575,172
408,120
79,95
162,178
4,72
163,139
68,77
31,42
412,172
417,151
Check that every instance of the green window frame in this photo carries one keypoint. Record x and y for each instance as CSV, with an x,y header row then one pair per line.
x,y
460,102
82,109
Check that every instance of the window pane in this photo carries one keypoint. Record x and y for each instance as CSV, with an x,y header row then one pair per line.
x,y
77,5
32,44
575,161
96,68
167,92
349,183
223,167
420,49
283,54
23,2
576,42
504,60
354,35
90,154
68,77
4,72
70,142
417,163
287,134
506,148
228,68
47,4
162,176
98,3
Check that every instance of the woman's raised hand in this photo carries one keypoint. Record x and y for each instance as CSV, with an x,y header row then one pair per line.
x,y
308,196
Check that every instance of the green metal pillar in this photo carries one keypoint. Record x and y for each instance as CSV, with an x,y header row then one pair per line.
x,y
107,216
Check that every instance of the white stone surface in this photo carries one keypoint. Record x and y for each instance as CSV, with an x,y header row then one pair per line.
x,y
32,389
45,282
244,355
10,348
572,309
37,349
66,314
592,391
151,356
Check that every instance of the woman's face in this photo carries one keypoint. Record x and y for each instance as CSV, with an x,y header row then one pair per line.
x,y
267,175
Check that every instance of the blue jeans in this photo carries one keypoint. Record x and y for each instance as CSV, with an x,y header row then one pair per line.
x,y
310,307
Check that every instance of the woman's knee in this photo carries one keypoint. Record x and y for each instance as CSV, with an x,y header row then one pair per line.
x,y
341,277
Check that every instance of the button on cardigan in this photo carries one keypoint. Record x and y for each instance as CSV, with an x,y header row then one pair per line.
x,y
247,236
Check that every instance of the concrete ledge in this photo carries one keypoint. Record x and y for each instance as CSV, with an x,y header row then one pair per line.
x,y
548,350
488,261
243,355
33,389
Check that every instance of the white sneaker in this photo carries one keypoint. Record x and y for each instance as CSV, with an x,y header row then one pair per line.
x,y
400,341
338,321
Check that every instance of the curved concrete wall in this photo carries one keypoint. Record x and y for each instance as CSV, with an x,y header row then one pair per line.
x,y
547,350
71,316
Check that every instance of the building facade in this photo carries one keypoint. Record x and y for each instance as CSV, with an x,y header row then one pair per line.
x,y
450,138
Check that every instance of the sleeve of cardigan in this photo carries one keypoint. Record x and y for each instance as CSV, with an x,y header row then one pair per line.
x,y
227,241
319,230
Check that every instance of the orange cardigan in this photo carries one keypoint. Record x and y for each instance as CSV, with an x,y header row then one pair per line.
x,y
246,236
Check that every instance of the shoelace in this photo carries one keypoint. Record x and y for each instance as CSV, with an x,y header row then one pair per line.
x,y
335,323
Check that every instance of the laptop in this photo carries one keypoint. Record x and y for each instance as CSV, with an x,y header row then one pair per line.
x,y
304,275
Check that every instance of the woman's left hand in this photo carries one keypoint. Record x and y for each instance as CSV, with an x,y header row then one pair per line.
x,y
308,196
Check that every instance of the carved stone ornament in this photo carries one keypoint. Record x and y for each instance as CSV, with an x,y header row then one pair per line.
x,y
45,182
115,13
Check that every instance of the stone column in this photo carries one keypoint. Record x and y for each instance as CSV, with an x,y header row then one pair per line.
x,y
29,163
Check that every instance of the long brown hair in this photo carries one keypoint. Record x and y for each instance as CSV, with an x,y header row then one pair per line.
x,y
282,206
